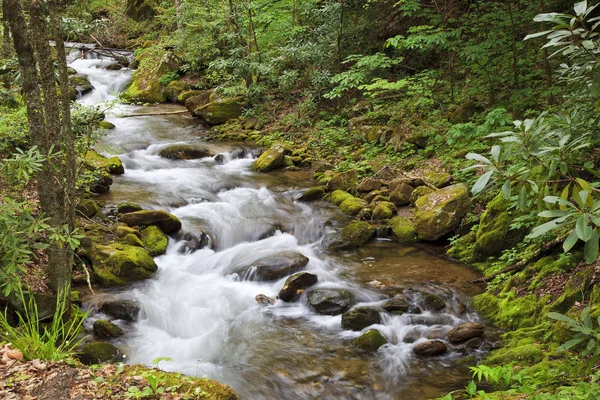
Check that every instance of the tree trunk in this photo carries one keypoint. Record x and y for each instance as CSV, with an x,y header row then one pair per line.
x,y
178,15
49,124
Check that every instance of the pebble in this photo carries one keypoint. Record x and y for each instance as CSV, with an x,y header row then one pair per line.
x,y
15,354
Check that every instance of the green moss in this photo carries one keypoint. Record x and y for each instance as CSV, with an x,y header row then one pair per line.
x,y
123,231
270,159
403,229
371,340
106,125
439,212
339,196
183,96
94,160
494,233
106,329
356,234
463,248
419,191
99,352
121,264
154,240
382,212
526,354
127,207
220,111
575,290
352,206
509,311
174,89
346,180
132,240
87,208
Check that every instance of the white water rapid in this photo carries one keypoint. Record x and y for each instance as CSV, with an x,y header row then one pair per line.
x,y
198,311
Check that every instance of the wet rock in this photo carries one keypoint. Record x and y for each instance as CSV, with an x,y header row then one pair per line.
x,y
397,306
441,211
359,318
121,264
154,240
107,330
419,191
197,242
371,340
123,230
126,310
276,266
128,207
168,223
400,196
463,332
344,180
330,301
99,352
95,161
220,158
270,159
106,125
314,193
295,285
194,99
353,205
430,348
220,111
238,153
369,184
114,67
403,229
184,152
174,89
81,83
382,212
264,300
87,208
433,302
337,197
353,235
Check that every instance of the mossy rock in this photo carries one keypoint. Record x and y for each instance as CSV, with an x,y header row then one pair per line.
x,y
369,184
494,233
508,311
132,240
376,196
382,212
575,290
95,160
359,318
195,99
114,67
168,223
400,196
220,111
295,285
81,83
184,152
527,354
127,207
330,301
127,310
433,302
99,352
140,10
270,159
276,266
441,211
403,229
371,340
439,179
313,193
346,180
464,112
106,125
419,191
353,206
183,96
174,89
107,330
154,240
356,234
145,86
121,264
339,196
87,208
463,249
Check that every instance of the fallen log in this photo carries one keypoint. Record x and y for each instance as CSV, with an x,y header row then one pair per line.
x,y
153,114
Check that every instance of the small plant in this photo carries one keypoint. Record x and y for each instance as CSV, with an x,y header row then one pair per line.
x,y
54,341
585,331
168,78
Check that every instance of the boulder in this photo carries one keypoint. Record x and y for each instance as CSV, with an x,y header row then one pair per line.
x,y
174,89
397,306
403,229
184,152
400,196
145,84
114,67
131,239
430,348
419,191
121,264
127,207
195,99
376,195
355,234
494,233
270,159
433,302
344,180
168,223
127,310
359,318
264,300
106,125
140,10
330,301
87,208
314,193
337,197
441,211
123,230
295,285
107,330
80,83
94,161
99,352
369,184
197,242
154,240
463,332
371,340
382,212
220,111
353,205
276,266
439,179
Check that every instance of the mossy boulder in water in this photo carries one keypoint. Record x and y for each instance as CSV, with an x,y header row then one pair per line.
x,y
441,211
154,240
360,318
270,159
95,160
220,111
106,125
99,352
127,207
339,196
433,302
314,193
330,301
353,205
107,330
371,340
463,332
344,180
382,212
145,84
295,285
403,229
174,89
184,152
121,264
132,240
353,235
80,83
127,310
276,266
430,348
183,96
397,306
195,99
168,223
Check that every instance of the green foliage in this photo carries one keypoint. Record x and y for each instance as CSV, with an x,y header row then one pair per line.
x,y
54,341
14,129
168,78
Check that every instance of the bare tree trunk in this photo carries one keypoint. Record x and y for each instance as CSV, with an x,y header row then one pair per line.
x,y
178,15
49,125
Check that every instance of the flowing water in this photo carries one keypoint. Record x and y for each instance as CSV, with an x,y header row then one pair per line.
x,y
199,312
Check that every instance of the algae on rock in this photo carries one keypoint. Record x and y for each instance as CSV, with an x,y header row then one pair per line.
x,y
441,211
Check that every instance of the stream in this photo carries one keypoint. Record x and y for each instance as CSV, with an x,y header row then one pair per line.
x,y
200,312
